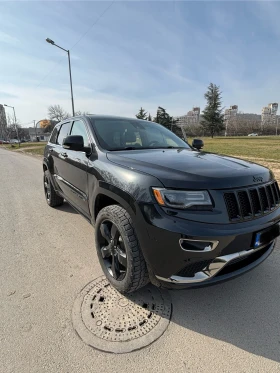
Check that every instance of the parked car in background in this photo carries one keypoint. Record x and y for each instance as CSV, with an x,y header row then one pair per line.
x,y
4,142
14,141
253,134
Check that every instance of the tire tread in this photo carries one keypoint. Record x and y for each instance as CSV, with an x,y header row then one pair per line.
x,y
139,276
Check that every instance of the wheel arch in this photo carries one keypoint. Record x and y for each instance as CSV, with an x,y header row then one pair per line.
x,y
107,195
45,166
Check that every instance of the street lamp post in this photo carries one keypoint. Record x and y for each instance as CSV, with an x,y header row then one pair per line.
x,y
68,52
15,121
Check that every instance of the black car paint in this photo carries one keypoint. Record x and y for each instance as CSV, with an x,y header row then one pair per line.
x,y
188,169
127,177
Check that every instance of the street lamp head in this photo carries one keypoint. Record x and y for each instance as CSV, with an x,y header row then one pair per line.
x,y
50,41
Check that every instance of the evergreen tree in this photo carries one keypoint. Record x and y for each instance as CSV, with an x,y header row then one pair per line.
x,y
213,119
142,114
164,118
149,117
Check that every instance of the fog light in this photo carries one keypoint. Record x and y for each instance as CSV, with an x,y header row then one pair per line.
x,y
198,245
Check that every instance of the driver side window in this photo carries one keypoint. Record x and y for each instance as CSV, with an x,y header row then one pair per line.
x,y
79,128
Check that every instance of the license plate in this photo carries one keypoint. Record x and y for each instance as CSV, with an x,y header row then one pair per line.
x,y
266,236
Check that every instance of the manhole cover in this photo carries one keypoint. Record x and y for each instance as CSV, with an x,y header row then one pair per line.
x,y
112,322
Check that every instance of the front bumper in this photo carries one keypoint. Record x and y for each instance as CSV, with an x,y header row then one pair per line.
x,y
160,236
221,269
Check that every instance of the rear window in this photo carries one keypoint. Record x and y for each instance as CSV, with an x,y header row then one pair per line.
x,y
64,131
54,135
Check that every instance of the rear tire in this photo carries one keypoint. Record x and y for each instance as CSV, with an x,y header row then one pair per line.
x,y
118,250
52,198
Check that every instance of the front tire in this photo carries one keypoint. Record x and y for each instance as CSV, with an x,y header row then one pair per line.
x,y
118,250
52,198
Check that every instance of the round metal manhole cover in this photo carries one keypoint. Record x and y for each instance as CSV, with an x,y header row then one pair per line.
x,y
112,322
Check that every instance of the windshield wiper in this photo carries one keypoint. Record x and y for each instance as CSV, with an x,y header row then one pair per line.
x,y
148,148
176,147
127,148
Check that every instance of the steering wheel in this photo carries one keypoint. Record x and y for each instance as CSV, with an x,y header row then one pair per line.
x,y
154,142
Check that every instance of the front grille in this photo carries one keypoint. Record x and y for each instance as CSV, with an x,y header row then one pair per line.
x,y
270,197
232,206
244,202
191,269
264,200
253,202
256,203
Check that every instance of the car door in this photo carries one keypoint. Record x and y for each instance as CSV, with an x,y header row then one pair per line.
x,y
74,170
59,157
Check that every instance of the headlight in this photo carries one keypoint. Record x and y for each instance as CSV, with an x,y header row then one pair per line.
x,y
182,199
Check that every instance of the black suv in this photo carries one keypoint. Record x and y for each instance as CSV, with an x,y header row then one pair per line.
x,y
163,211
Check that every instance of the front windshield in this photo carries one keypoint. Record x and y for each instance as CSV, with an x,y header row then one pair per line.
x,y
130,134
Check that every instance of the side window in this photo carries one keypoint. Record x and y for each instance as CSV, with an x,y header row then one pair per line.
x,y
79,128
54,135
64,131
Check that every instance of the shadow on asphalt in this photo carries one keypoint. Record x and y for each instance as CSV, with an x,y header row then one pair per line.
x,y
244,312
66,208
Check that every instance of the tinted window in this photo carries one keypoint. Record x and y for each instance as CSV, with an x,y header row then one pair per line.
x,y
54,135
79,128
64,131
117,134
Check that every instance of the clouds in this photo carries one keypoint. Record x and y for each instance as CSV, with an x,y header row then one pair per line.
x,y
138,54
6,38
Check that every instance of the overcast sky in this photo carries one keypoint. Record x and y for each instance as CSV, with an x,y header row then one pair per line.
x,y
139,53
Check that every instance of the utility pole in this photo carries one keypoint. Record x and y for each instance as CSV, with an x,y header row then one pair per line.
x,y
35,127
15,122
48,40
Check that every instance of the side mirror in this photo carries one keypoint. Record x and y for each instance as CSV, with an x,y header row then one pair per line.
x,y
198,144
73,142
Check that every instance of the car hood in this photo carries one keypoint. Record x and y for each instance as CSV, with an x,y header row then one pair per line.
x,y
183,168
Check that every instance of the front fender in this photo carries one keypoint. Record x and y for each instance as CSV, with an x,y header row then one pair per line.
x,y
123,198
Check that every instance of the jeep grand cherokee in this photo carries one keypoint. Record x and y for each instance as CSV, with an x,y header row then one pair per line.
x,y
163,211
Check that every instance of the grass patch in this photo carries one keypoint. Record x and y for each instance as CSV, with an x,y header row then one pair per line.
x,y
25,145
36,151
252,147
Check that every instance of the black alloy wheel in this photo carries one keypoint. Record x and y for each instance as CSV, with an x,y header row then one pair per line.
x,y
113,250
119,251
52,198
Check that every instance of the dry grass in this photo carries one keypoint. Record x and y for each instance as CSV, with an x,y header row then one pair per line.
x,y
254,147
35,151
262,150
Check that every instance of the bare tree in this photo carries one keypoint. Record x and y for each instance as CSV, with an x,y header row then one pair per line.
x,y
241,126
57,113
79,112
14,129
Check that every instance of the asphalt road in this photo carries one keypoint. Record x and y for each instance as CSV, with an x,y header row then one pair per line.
x,y
47,256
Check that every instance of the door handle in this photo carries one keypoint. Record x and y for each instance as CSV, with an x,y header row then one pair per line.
x,y
64,155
